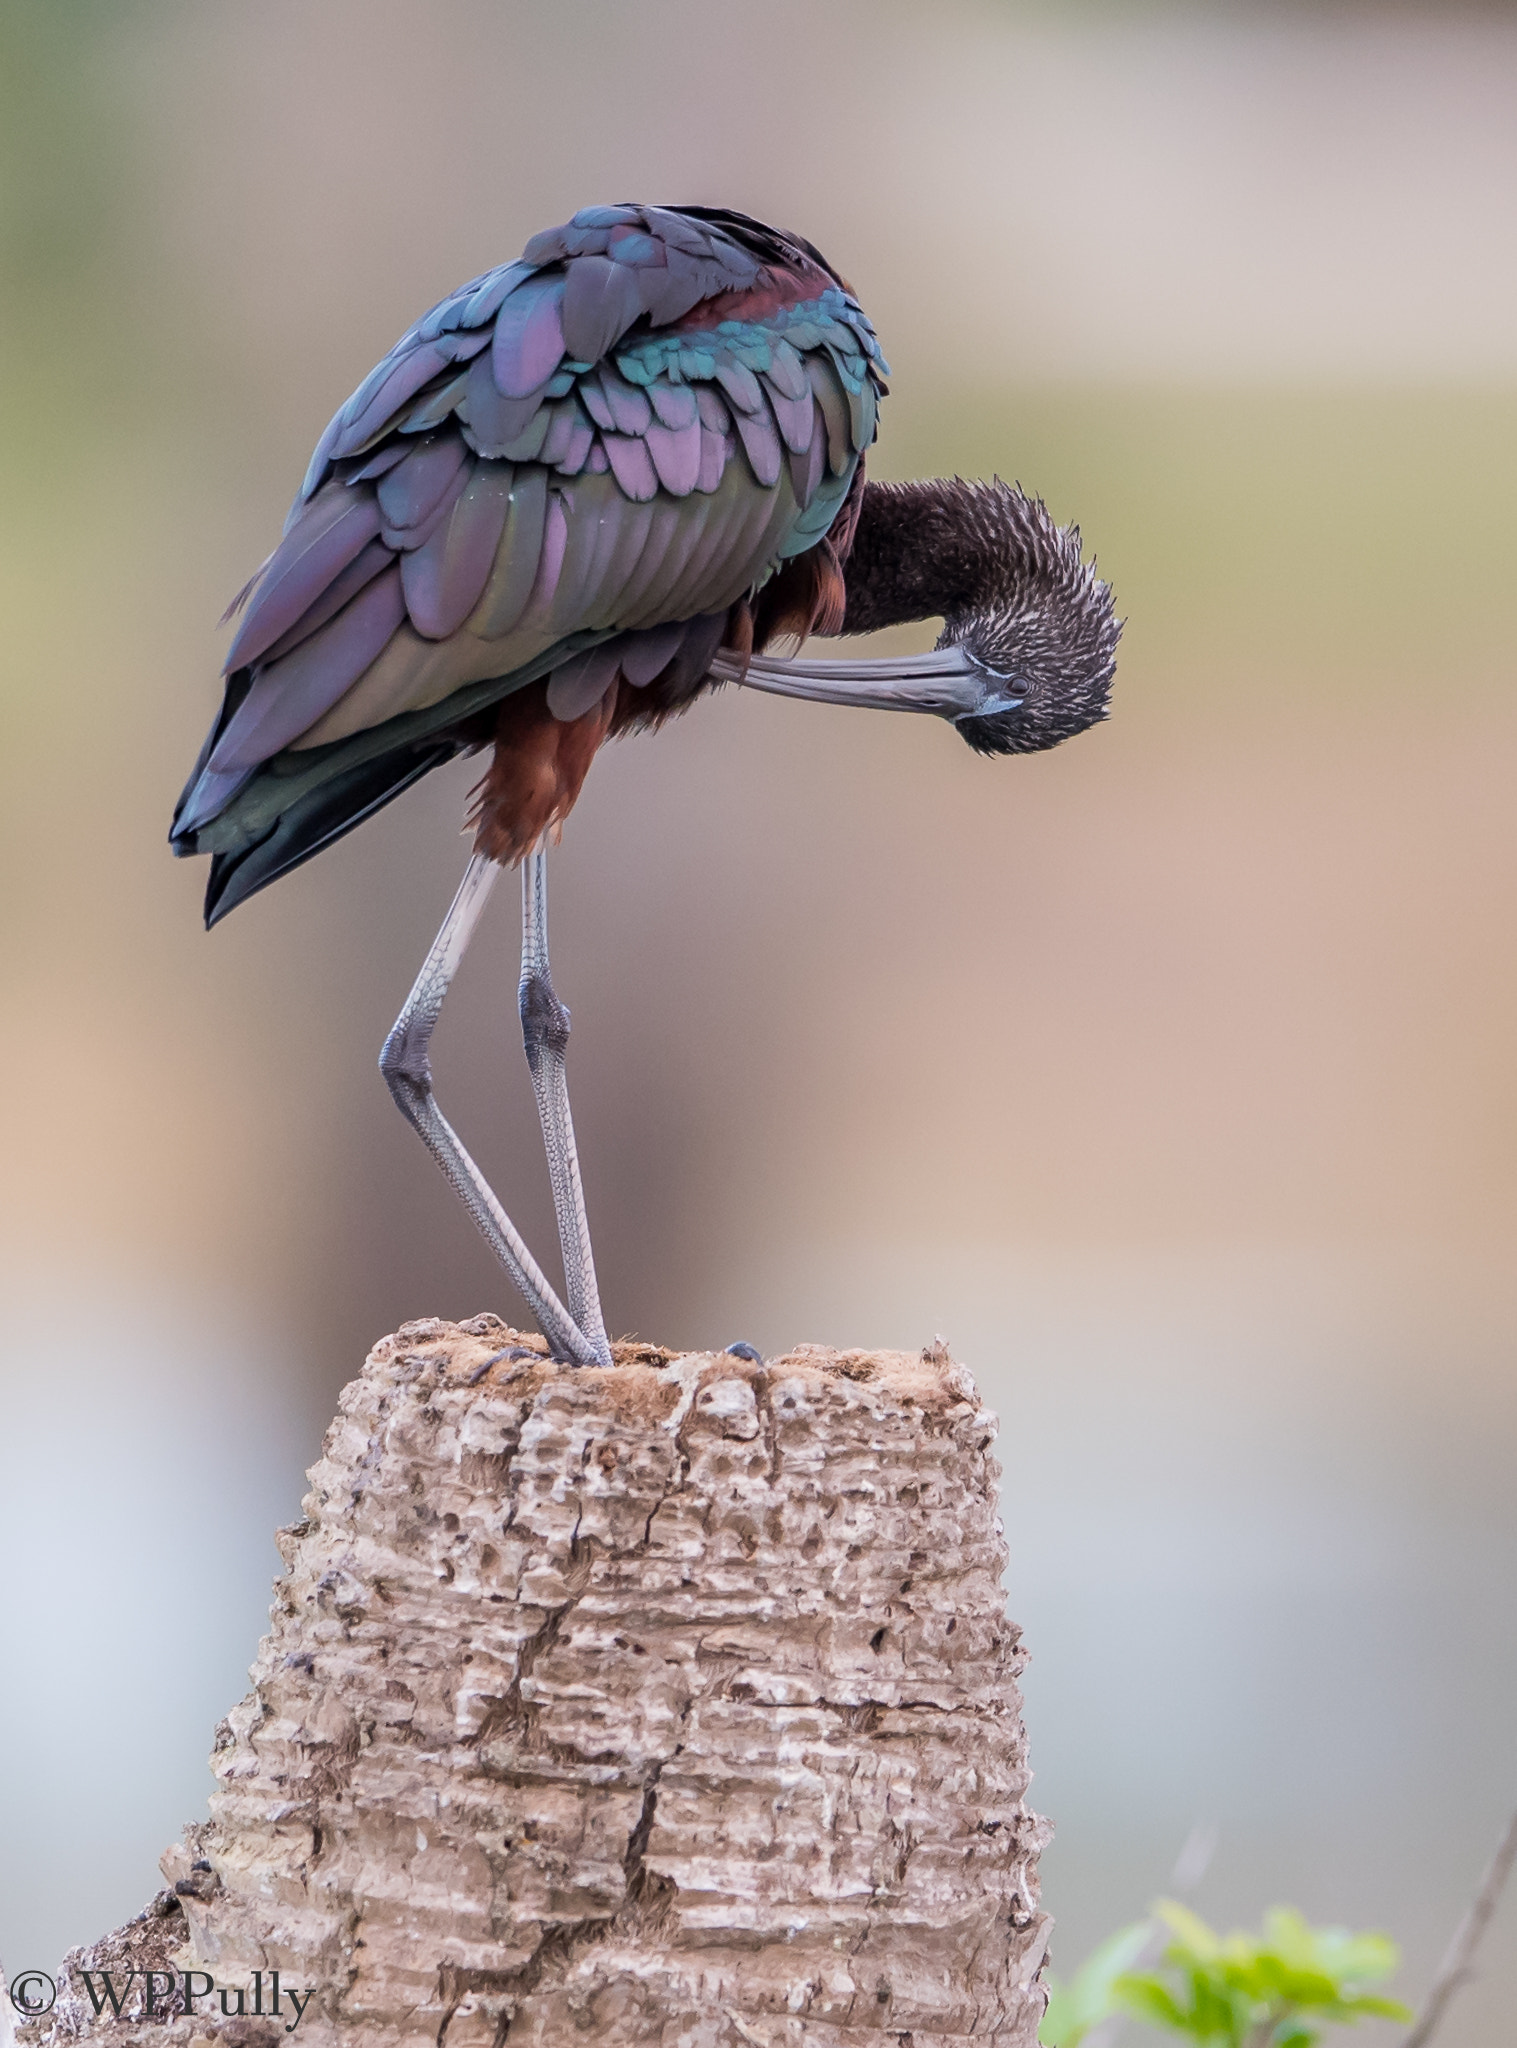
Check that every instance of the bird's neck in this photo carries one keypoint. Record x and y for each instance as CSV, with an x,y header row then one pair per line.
x,y
919,552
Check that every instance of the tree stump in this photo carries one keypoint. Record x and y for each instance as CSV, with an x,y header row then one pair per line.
x,y
672,1703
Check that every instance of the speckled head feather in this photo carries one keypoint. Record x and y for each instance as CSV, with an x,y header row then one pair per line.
x,y
1013,592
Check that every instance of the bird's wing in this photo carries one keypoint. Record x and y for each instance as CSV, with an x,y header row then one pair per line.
x,y
623,432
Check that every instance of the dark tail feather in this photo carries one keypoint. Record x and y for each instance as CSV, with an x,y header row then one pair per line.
x,y
237,686
315,820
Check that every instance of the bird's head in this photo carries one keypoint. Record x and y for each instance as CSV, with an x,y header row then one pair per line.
x,y
1029,643
1040,629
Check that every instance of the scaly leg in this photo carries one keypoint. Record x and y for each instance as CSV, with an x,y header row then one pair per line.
x,y
545,1033
408,1072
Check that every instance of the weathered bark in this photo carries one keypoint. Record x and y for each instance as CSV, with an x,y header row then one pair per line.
x,y
675,1702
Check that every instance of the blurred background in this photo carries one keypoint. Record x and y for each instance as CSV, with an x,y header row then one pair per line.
x,y
1172,1076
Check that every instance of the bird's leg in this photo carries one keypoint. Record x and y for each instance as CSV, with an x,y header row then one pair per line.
x,y
545,1033
408,1072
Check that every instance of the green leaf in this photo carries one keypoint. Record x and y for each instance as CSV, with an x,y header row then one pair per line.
x,y
1277,1989
1191,1931
1295,2036
1076,2007
1150,1998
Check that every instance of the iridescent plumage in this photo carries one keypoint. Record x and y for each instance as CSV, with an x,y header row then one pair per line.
x,y
585,487
580,469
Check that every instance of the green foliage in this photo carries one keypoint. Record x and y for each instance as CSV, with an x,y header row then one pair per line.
x,y
1076,2007
1275,1990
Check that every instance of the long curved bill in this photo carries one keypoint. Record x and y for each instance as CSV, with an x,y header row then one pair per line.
x,y
948,682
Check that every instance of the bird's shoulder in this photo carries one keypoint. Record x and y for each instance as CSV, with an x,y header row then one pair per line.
x,y
609,343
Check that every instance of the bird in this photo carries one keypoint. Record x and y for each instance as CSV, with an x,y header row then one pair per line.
x,y
585,489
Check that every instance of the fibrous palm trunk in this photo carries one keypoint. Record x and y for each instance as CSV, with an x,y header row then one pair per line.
x,y
675,1703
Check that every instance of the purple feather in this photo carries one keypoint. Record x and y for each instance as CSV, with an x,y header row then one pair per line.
x,y
494,422
517,556
528,443
601,301
577,686
448,313
741,386
463,348
416,488
432,408
833,401
761,441
670,294
402,382
808,464
677,232
336,525
592,542
596,403
606,216
493,292
404,538
548,245
584,241
632,465
290,695
647,654
556,442
676,456
529,337
597,461
581,440
794,416
713,460
363,569
674,403
630,409
316,468
695,238
714,414
211,794
445,578
550,564
786,370
387,457
702,639
639,251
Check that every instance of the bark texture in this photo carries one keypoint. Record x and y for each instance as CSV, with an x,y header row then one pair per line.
x,y
675,1703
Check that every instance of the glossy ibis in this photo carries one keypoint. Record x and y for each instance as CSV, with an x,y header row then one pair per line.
x,y
583,489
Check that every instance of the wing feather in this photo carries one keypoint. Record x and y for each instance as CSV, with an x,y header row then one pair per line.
x,y
440,558
491,420
828,391
581,682
761,444
330,532
444,579
413,489
676,455
529,337
601,299
361,570
631,464
290,695
515,568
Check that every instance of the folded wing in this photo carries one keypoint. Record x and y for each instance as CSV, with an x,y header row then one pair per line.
x,y
566,469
